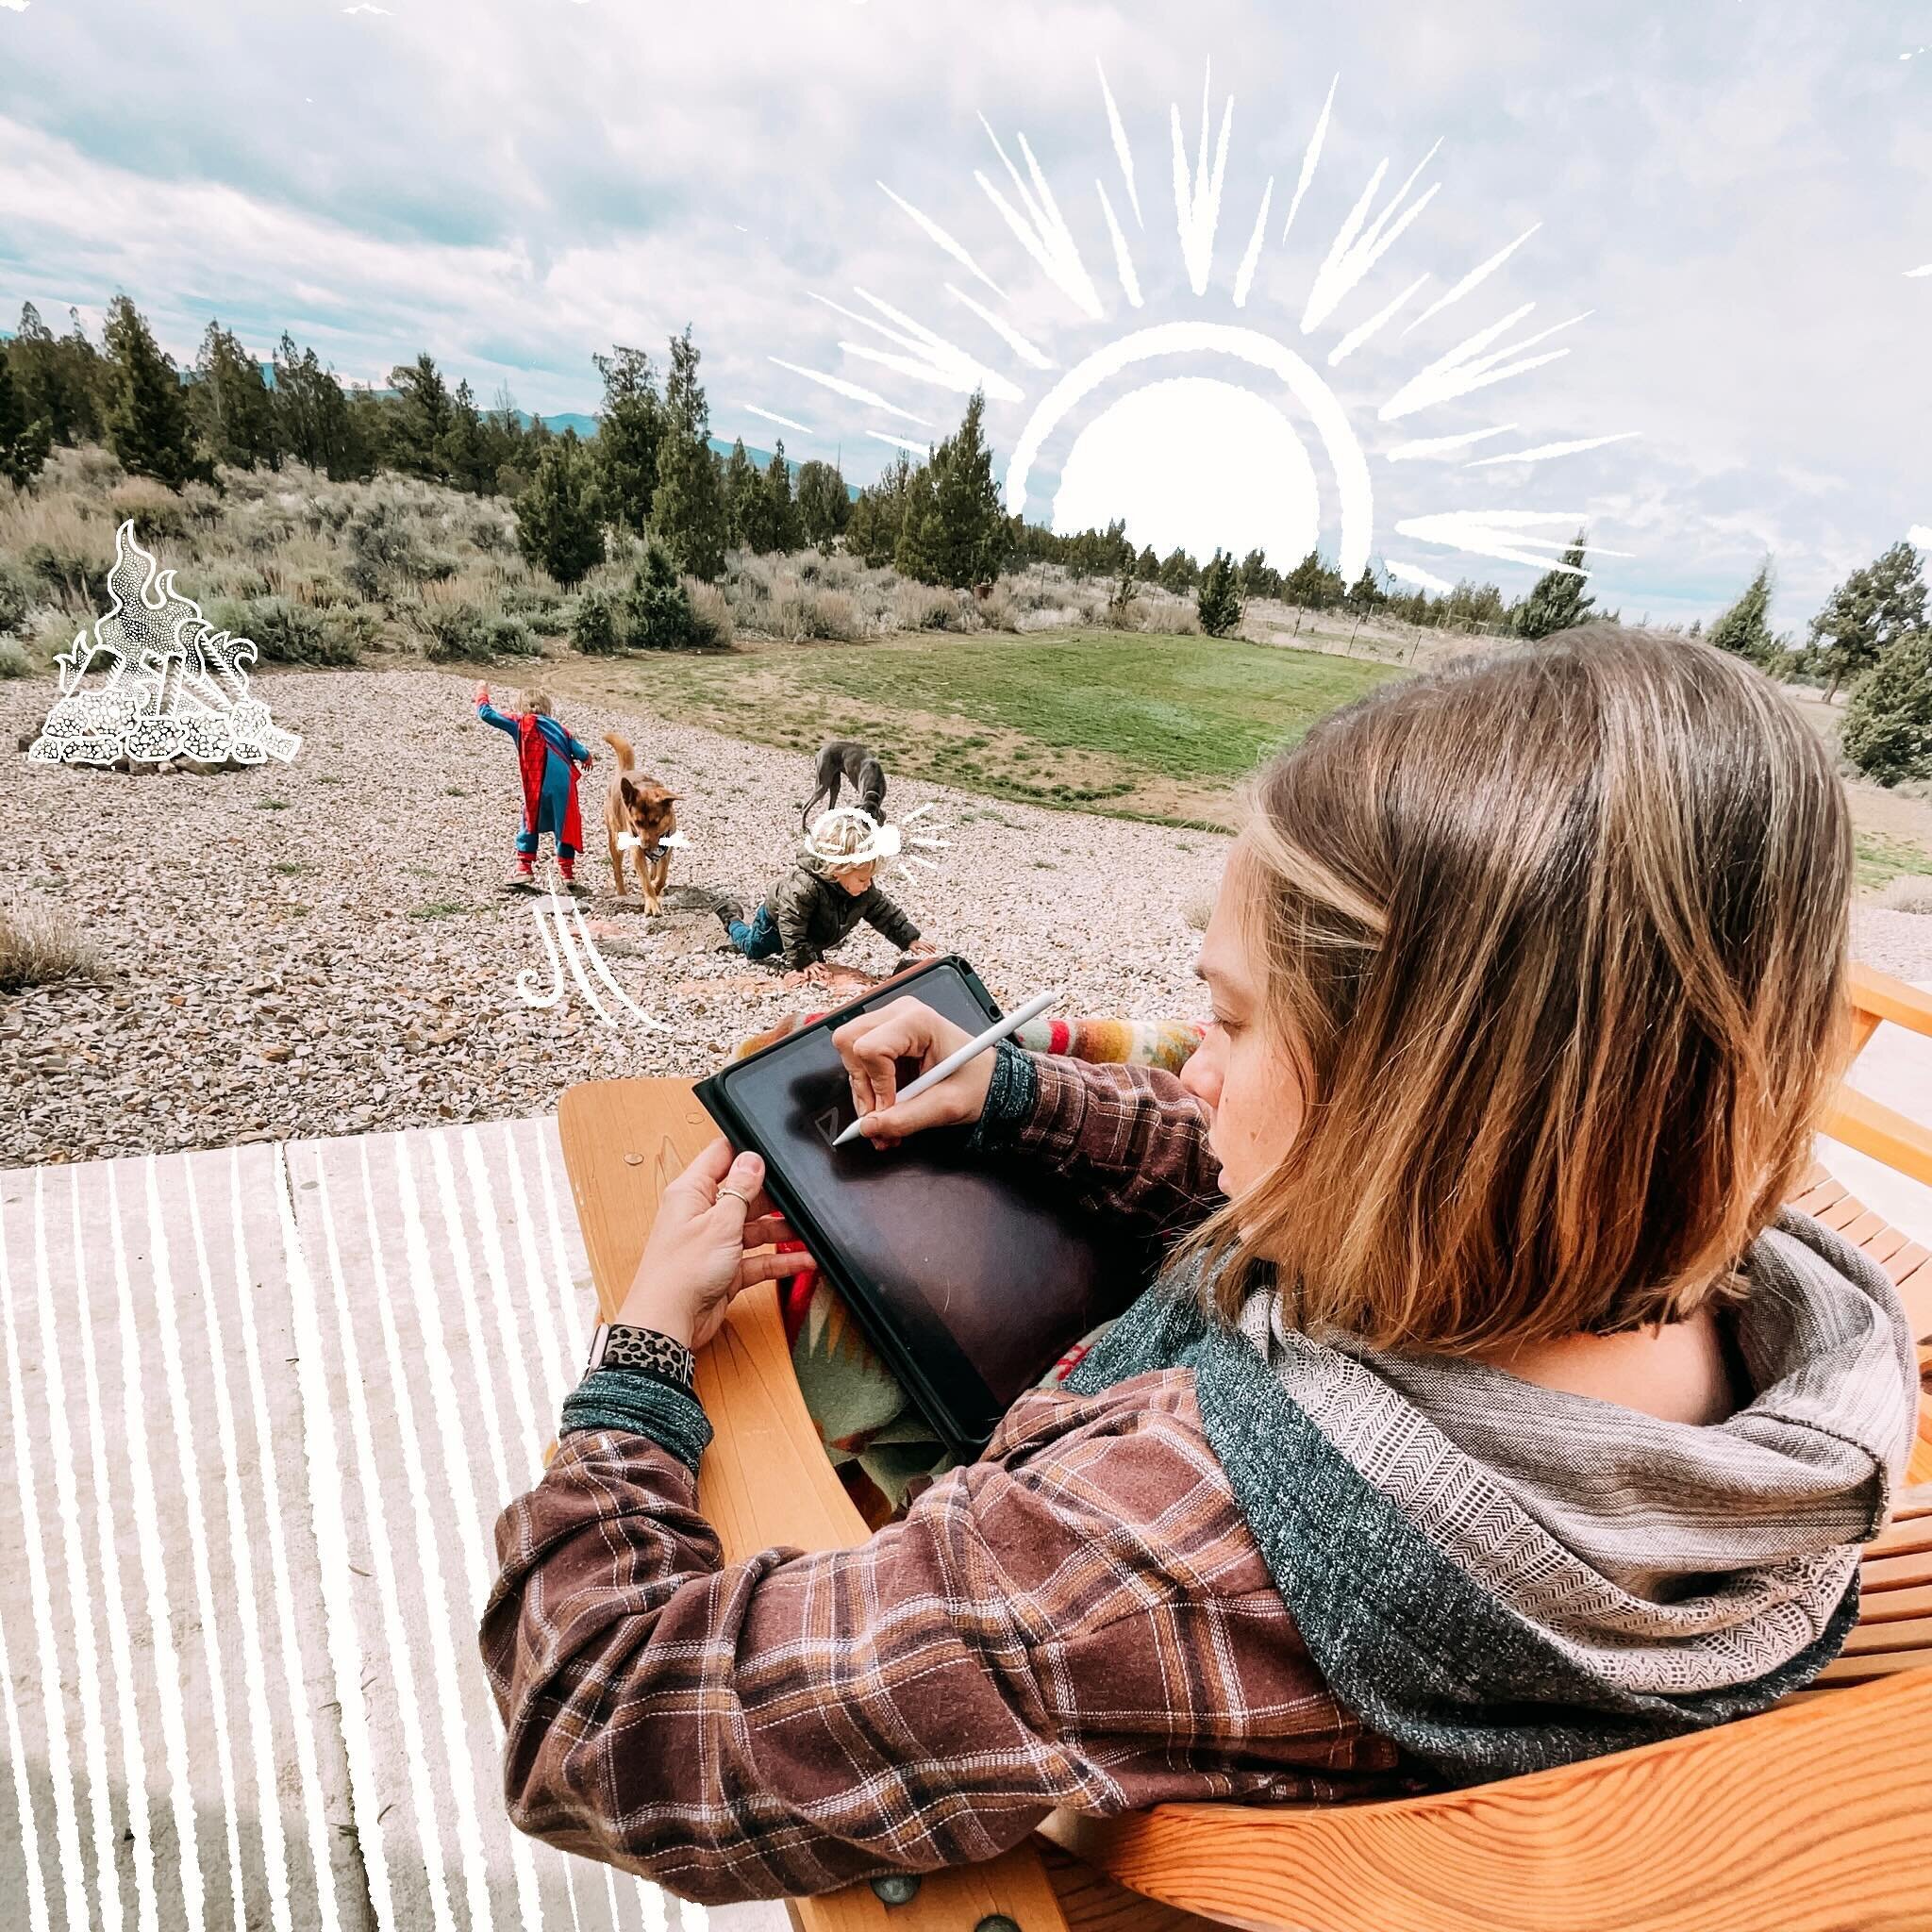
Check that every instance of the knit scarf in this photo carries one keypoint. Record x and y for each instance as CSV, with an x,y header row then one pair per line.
x,y
1502,1578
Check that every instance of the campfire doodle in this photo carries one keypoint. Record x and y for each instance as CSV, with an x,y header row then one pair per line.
x,y
173,688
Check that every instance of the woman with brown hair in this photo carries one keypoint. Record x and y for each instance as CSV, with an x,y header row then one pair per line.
x,y
1491,1412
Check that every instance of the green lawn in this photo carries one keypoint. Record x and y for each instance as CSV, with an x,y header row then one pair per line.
x,y
1879,858
1151,727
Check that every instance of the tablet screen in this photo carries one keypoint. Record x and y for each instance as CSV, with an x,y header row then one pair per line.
x,y
949,1248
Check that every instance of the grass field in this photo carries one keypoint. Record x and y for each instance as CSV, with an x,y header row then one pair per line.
x,y
1158,727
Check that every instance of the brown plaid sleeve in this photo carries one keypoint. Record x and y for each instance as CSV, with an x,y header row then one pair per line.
x,y
1081,1619
1133,1141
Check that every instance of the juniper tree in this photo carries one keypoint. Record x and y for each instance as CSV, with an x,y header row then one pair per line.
x,y
1888,731
1557,601
824,505
783,509
314,422
1313,584
954,526
419,418
61,379
147,425
1365,594
630,433
1869,611
558,524
232,406
1218,603
744,499
465,449
1744,630
688,507
22,444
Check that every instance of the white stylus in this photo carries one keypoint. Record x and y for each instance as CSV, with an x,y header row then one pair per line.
x,y
953,1062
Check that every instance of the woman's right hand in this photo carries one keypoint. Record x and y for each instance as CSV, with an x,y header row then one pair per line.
x,y
873,1046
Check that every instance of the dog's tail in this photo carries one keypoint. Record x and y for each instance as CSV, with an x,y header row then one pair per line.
x,y
627,759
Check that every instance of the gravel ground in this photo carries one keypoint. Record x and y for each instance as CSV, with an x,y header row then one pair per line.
x,y
324,947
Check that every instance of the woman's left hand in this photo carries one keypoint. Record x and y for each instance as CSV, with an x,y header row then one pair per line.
x,y
695,1260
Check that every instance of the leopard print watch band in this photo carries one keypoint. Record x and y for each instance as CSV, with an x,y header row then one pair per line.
x,y
616,1345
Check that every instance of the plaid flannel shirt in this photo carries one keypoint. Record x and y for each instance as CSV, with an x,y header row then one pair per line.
x,y
1080,1619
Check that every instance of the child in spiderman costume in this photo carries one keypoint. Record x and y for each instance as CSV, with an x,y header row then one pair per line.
x,y
548,758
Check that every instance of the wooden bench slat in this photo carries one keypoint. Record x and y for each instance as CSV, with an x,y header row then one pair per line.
x,y
1882,1606
1894,1573
1915,1501
1903,1260
1884,1245
1861,1670
1863,1229
1902,1534
1900,1634
1841,1214
1816,1200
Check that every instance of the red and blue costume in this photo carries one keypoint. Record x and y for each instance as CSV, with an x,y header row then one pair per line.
x,y
548,758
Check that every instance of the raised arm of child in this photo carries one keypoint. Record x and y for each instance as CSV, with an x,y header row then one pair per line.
x,y
490,714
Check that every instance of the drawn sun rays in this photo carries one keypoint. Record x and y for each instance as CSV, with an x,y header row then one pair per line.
x,y
1131,422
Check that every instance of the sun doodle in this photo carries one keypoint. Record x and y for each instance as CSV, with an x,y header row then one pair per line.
x,y
1204,431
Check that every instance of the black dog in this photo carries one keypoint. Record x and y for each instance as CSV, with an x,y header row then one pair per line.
x,y
846,759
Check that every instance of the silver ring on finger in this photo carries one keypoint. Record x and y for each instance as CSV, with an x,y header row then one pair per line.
x,y
737,1197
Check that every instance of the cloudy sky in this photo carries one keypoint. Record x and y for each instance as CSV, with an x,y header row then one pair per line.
x,y
1730,193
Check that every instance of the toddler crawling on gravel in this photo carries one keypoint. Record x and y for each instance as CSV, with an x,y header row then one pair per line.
x,y
817,904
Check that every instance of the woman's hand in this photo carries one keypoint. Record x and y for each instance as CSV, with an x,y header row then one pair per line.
x,y
872,1047
695,1260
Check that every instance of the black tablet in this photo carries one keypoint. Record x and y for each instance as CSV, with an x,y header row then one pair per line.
x,y
969,1275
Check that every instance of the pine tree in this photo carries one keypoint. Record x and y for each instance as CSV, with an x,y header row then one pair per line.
x,y
954,533
688,508
53,380
557,526
630,433
1147,566
233,409
22,444
1869,611
1218,604
465,450
878,517
1743,630
314,420
1556,600
420,418
784,510
745,500
147,426
1365,594
1312,584
1177,572
825,504
658,615
1888,731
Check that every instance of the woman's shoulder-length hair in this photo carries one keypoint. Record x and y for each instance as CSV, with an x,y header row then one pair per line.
x,y
1556,942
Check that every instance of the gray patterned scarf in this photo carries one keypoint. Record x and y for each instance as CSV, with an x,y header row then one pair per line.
x,y
1502,1576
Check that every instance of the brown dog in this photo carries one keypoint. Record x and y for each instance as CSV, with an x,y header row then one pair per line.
x,y
638,808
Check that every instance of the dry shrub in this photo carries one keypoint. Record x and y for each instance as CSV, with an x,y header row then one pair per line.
x,y
14,661
39,946
1910,891
1197,908
921,606
805,614
1001,610
712,609
67,549
159,516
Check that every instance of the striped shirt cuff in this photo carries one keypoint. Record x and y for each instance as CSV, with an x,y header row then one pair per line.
x,y
640,1403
